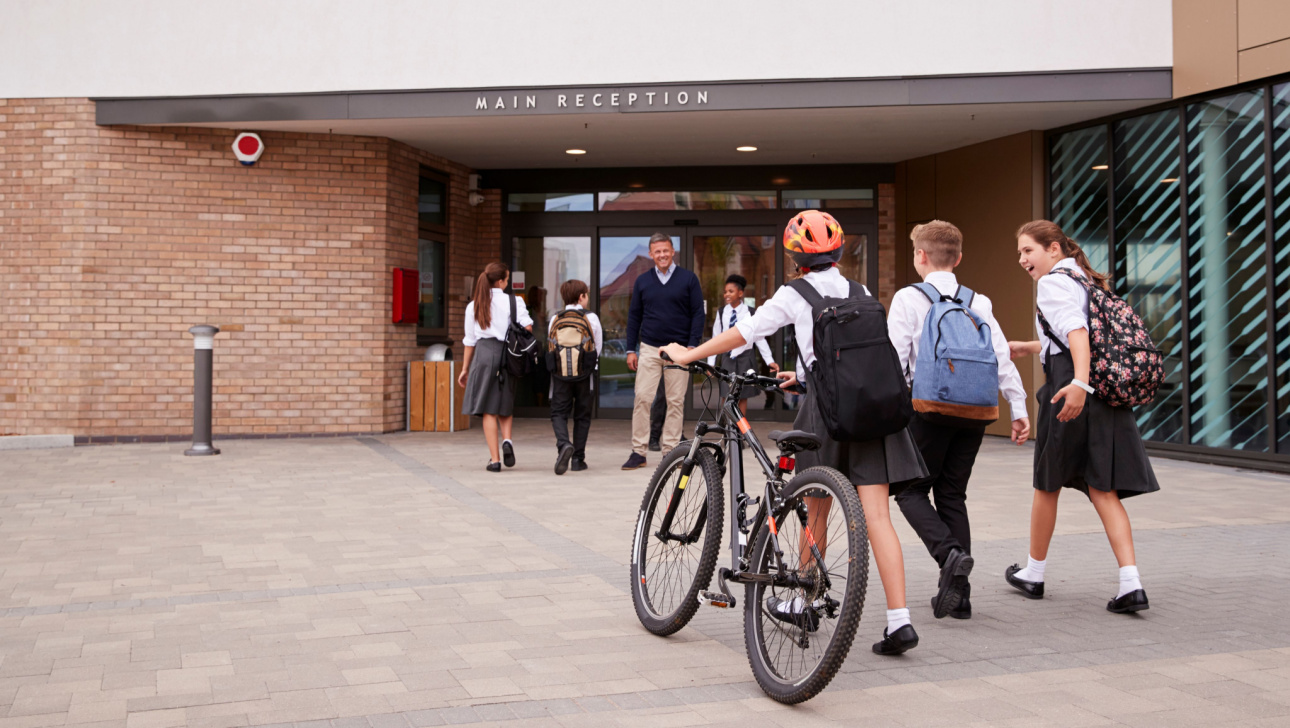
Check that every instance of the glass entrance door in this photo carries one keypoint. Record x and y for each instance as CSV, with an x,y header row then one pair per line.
x,y
539,264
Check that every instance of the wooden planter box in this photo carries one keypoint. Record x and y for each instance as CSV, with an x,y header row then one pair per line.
x,y
434,399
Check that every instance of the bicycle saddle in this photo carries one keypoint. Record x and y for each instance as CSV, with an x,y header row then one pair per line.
x,y
793,441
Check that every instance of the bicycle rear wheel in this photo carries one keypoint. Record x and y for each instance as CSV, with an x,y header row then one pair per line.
x,y
669,572
794,656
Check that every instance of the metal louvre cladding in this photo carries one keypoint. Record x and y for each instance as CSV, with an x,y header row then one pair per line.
x,y
1148,254
1226,261
1078,190
1281,256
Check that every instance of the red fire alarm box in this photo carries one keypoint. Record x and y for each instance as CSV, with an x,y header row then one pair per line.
x,y
407,295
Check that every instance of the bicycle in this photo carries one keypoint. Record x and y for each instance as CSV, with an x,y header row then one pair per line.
x,y
803,548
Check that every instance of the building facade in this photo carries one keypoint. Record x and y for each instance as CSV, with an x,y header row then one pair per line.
x,y
558,138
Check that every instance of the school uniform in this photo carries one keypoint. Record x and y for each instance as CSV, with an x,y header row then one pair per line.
x,y
741,359
891,459
949,452
574,397
486,392
1101,448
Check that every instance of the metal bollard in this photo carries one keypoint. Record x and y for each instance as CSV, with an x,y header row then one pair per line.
x,y
203,356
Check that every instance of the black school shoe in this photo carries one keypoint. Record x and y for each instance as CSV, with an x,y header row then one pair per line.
x,y
954,574
794,612
654,446
903,640
508,453
493,467
1028,589
1134,601
964,609
635,461
562,460
577,465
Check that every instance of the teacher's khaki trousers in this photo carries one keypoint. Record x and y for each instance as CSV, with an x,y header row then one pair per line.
x,y
648,369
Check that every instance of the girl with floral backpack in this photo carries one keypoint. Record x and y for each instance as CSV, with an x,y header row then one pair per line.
x,y
1085,437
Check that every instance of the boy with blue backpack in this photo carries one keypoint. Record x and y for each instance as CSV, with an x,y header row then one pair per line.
x,y
956,360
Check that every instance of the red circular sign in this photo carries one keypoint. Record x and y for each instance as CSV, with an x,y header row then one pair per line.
x,y
248,145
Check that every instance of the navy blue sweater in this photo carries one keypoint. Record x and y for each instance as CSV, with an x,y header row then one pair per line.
x,y
661,315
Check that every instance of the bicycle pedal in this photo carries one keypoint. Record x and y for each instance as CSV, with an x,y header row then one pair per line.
x,y
717,599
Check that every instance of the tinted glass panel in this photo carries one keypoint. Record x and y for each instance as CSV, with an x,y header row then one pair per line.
x,y
622,259
434,283
657,200
1148,256
826,199
1078,192
1281,257
1226,272
550,202
431,197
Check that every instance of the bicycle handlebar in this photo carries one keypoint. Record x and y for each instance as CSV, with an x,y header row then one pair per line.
x,y
755,380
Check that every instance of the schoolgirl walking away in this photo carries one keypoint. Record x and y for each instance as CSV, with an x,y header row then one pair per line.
x,y
1081,441
490,392
813,240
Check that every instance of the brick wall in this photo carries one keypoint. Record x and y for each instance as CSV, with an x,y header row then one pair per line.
x,y
887,238
113,241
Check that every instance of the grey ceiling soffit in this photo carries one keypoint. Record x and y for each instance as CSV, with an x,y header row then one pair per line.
x,y
1114,85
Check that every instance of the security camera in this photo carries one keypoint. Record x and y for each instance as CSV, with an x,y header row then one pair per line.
x,y
475,198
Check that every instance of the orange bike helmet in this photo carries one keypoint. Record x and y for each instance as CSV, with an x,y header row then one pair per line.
x,y
812,238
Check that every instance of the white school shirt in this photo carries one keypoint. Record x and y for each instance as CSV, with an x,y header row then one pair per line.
x,y
597,332
665,276
501,306
721,324
788,307
909,309
1063,302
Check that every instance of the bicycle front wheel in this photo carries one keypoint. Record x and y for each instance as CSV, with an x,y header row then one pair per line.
x,y
670,567
798,628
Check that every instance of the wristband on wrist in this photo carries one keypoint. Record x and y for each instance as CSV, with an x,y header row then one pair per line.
x,y
1082,385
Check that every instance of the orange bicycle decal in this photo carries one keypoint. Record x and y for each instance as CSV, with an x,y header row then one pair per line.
x,y
743,425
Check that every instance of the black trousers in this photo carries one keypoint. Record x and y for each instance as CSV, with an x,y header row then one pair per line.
x,y
949,453
571,398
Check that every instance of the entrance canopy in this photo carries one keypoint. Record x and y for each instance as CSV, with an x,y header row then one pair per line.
x,y
788,122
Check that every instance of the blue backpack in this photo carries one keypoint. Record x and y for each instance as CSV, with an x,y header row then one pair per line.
x,y
956,376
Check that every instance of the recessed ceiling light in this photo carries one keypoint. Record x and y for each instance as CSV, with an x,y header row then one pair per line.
x,y
1100,166
1168,180
746,148
636,185
575,151
781,181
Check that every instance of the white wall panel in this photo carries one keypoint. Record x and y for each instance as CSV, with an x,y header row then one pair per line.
x,y
56,48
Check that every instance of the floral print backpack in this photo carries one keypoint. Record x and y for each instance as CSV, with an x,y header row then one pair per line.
x,y
1125,367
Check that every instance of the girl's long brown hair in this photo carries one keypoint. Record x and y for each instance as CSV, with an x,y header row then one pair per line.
x,y
484,285
1046,233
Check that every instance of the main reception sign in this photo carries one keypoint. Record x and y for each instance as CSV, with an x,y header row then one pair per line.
x,y
595,100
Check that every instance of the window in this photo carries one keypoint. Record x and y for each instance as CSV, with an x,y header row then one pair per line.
x,y
662,200
827,199
550,202
432,256
1078,190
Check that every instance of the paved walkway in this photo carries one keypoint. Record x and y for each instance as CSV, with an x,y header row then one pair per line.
x,y
391,582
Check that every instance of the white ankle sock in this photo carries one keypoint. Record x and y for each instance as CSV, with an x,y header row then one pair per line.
x,y
512,444
1034,570
1129,580
897,618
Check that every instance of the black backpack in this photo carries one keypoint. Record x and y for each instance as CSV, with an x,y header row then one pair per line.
x,y
570,346
858,383
521,355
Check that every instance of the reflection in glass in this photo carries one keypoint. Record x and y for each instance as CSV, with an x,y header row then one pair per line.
x,y
550,202
1281,257
715,258
544,263
826,199
658,200
1226,272
434,283
1078,190
431,194
1148,255
622,259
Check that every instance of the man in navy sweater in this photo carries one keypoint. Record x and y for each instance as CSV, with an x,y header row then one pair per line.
x,y
667,307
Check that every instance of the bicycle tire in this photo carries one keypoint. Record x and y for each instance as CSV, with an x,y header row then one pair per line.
x,y
664,601
765,637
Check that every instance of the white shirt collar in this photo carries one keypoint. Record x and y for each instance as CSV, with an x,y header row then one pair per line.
x,y
941,276
1067,263
572,306
665,275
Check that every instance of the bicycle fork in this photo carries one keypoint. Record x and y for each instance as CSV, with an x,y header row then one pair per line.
x,y
664,532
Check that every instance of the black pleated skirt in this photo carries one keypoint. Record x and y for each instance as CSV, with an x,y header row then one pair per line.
x,y
739,365
892,459
485,393
1100,449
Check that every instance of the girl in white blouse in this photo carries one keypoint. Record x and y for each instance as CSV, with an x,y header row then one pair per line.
x,y
489,392
1080,441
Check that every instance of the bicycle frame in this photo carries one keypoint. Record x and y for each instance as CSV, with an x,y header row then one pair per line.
x,y
736,434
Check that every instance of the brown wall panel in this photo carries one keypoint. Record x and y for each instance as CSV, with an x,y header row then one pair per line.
x,y
1204,45
1265,60
1260,22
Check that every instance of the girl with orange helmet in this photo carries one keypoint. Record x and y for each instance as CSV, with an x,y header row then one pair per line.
x,y
814,241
